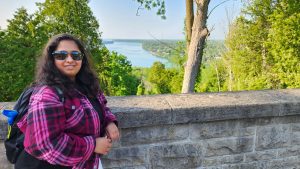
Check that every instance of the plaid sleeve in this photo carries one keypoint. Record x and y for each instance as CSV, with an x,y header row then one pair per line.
x,y
109,116
45,137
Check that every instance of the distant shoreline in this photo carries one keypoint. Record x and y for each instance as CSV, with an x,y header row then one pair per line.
x,y
139,40
164,49
143,40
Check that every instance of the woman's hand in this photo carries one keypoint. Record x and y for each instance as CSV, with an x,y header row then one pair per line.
x,y
112,131
103,145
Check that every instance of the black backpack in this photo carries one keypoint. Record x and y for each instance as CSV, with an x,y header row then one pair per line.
x,y
15,138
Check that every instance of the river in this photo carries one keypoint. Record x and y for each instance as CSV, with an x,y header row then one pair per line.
x,y
134,52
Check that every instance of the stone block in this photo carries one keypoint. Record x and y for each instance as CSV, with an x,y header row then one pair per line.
x,y
231,166
289,108
144,117
154,134
252,165
270,137
295,127
211,167
220,160
206,114
288,152
268,121
125,157
228,146
260,155
255,165
210,161
226,112
219,129
132,167
173,156
231,159
295,138
285,163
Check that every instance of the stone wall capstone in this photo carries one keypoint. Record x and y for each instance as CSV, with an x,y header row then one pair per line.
x,y
231,130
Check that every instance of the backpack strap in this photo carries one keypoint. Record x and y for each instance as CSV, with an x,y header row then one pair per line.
x,y
60,94
22,102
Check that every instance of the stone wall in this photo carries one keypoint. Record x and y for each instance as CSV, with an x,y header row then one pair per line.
x,y
234,130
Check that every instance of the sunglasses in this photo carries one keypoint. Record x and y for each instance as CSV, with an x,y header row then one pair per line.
x,y
62,55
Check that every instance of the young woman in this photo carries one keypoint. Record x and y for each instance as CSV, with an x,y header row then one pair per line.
x,y
72,133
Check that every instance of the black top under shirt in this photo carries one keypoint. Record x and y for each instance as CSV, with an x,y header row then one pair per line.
x,y
96,105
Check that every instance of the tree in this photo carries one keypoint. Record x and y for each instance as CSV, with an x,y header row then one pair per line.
x,y
160,77
283,44
189,19
213,77
117,76
195,51
175,83
263,46
69,16
17,56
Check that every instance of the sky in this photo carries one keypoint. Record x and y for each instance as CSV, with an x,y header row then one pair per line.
x,y
118,19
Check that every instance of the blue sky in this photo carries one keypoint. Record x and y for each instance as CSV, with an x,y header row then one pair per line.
x,y
118,18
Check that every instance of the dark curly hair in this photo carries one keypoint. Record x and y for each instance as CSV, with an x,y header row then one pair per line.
x,y
47,73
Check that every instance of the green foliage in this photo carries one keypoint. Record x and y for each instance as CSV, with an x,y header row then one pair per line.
x,y
160,4
117,76
175,84
158,76
177,56
213,50
141,89
264,47
17,56
284,44
69,16
212,78
177,59
163,80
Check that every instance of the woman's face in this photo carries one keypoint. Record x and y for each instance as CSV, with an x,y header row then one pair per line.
x,y
68,66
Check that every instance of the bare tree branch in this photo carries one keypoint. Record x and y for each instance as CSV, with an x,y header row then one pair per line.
x,y
216,7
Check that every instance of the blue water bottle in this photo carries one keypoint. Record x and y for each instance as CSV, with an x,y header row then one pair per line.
x,y
11,115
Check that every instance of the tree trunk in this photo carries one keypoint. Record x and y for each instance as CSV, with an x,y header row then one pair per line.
x,y
195,52
189,21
